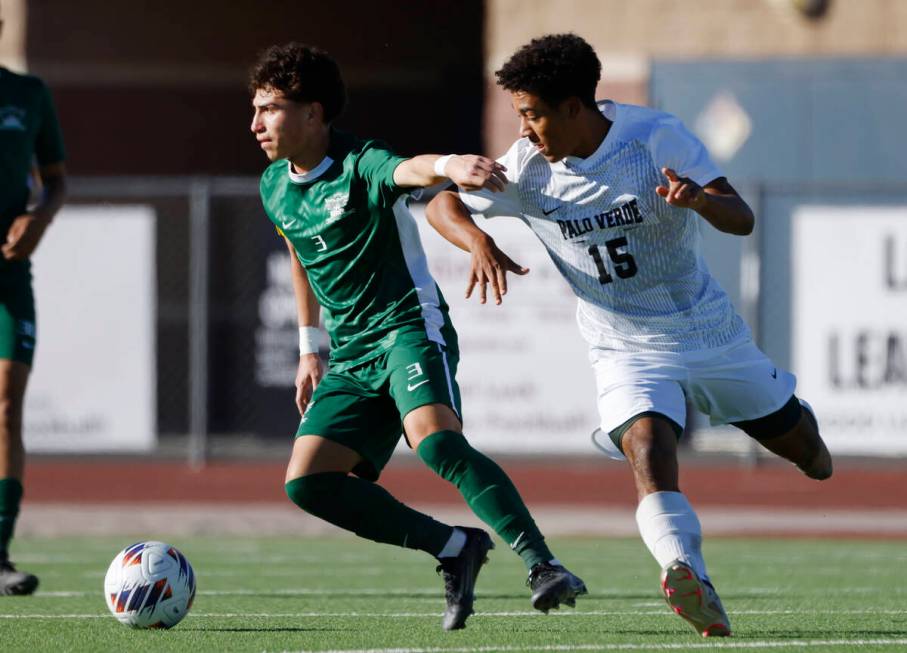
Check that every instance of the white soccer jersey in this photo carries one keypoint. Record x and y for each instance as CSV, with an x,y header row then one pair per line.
x,y
633,260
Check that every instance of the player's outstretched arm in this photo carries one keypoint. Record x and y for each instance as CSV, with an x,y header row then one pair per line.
x,y
450,218
717,202
310,370
25,232
468,171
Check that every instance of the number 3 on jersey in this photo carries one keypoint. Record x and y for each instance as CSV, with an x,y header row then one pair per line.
x,y
624,263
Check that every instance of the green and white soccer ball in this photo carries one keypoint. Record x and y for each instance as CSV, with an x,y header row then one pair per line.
x,y
149,585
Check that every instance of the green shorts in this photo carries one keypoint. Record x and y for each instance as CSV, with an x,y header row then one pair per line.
x,y
17,317
363,407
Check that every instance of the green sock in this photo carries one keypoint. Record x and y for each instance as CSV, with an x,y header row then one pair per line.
x,y
10,498
488,491
368,510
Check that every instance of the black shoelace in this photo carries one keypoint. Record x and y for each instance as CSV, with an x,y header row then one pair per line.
x,y
539,573
450,581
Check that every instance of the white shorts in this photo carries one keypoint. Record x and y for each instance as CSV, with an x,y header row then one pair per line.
x,y
732,383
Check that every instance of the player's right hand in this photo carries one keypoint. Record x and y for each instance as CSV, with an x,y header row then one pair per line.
x,y
23,237
472,172
308,375
490,266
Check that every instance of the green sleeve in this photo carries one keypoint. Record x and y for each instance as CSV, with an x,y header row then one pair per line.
x,y
376,165
49,141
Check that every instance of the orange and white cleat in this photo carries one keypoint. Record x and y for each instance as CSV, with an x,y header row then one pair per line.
x,y
695,600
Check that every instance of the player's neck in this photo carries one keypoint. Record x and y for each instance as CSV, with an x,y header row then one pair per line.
x,y
312,154
593,128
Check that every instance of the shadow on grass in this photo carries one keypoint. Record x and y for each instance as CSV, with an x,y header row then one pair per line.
x,y
269,629
768,596
822,634
378,596
352,594
603,630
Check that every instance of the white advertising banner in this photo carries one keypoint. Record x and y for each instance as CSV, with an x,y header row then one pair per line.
x,y
93,381
526,383
849,304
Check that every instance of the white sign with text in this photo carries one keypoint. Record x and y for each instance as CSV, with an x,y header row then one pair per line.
x,y
93,381
849,301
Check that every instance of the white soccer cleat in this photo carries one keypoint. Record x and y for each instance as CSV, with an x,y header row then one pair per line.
x,y
694,600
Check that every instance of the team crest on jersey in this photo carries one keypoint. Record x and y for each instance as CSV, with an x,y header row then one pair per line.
x,y
336,205
26,328
12,118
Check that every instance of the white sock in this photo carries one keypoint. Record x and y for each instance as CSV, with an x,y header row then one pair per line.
x,y
671,530
454,544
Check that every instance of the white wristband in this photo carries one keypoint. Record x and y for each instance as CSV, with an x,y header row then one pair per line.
x,y
308,340
441,164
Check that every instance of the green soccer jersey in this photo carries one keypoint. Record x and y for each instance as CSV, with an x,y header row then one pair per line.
x,y
359,244
29,132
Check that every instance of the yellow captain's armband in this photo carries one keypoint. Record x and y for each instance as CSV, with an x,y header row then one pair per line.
x,y
277,229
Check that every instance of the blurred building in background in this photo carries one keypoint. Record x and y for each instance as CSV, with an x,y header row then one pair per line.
x,y
629,36
159,87
798,100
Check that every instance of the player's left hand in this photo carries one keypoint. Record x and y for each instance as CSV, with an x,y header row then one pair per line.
x,y
472,172
681,192
23,237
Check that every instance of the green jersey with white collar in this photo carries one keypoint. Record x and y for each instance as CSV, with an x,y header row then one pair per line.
x,y
359,244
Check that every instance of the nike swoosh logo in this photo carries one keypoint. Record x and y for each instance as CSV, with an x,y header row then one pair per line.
x,y
774,373
413,387
551,211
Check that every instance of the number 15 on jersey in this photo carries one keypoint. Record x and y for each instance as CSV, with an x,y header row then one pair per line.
x,y
623,262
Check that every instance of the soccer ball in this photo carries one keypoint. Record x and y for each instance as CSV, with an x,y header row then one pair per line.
x,y
149,585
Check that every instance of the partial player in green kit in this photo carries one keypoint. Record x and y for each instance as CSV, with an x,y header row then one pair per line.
x,y
341,203
29,138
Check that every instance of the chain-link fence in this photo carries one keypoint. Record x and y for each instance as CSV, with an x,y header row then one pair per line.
x,y
226,322
225,326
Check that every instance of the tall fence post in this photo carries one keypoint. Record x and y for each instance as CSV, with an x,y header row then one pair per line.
x,y
199,246
751,289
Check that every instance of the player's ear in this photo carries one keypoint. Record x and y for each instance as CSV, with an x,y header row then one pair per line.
x,y
316,112
574,106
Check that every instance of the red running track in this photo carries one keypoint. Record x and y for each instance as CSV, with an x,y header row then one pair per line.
x,y
583,483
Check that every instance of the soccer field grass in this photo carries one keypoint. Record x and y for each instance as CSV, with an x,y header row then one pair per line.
x,y
344,594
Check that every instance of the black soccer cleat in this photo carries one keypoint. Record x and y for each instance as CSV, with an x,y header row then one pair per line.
x,y
16,583
552,585
460,575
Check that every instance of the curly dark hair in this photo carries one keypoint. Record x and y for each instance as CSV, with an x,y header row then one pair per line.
x,y
302,73
553,67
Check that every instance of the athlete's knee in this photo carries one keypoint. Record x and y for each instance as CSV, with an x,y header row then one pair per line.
x,y
313,454
425,421
817,463
650,440
9,413
309,492
448,454
792,432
